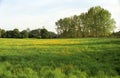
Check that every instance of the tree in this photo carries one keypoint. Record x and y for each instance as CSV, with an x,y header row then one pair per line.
x,y
44,33
84,29
116,34
9,34
24,34
0,33
52,35
35,33
66,26
97,22
3,33
16,33
100,21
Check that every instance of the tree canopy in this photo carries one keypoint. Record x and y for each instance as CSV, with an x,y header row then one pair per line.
x,y
36,33
97,22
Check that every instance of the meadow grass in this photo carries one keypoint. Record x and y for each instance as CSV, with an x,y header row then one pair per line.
x,y
60,58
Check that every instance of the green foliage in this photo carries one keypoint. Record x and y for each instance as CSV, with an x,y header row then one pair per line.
x,y
2,33
116,34
36,33
97,22
44,33
24,34
16,33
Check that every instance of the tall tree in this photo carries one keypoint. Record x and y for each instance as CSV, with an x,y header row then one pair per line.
x,y
97,22
102,23
84,24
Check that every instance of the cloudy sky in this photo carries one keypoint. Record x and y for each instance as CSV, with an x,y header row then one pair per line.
x,y
34,14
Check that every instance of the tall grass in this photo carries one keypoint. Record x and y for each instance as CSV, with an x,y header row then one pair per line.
x,y
60,58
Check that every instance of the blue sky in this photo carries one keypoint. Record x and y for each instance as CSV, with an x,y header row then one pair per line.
x,y
34,14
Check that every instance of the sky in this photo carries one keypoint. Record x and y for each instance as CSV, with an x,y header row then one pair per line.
x,y
33,14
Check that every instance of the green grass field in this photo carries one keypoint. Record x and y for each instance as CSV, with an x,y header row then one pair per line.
x,y
60,58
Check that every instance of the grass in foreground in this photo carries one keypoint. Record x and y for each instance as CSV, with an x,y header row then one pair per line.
x,y
60,58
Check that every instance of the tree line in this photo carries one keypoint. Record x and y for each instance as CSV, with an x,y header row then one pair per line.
x,y
96,22
36,33
116,34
